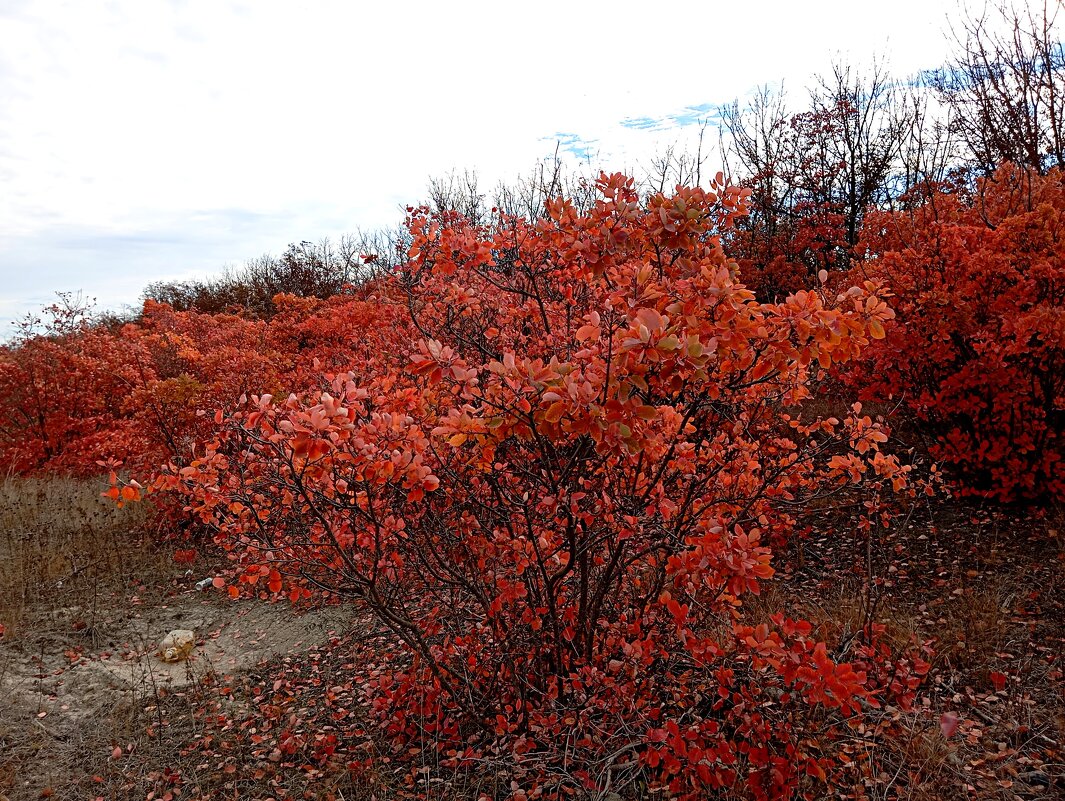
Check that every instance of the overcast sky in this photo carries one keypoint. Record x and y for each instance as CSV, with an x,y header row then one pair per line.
x,y
158,139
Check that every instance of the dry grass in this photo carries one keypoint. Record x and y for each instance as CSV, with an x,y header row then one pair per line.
x,y
63,549
985,586
68,558
86,590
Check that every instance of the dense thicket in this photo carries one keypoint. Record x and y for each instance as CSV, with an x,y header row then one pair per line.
x,y
306,270
978,356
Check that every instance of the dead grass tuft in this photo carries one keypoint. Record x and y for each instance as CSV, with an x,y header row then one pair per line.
x,y
63,548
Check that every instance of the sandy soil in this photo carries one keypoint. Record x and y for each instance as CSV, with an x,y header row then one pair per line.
x,y
65,676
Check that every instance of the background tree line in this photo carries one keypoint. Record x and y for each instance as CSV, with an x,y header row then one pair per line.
x,y
859,139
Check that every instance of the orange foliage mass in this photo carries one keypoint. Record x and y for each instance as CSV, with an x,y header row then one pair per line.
x,y
978,352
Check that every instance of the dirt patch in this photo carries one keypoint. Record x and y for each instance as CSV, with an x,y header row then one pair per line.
x,y
54,687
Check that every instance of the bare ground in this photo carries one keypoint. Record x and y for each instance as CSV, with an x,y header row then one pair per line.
x,y
86,593
88,712
66,689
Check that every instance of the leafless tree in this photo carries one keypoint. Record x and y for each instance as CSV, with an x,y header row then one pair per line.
x,y
757,149
1005,86
822,166
678,166
928,149
863,127
460,193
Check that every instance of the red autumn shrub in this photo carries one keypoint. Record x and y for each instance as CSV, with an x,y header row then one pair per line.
x,y
977,354
78,393
62,393
558,498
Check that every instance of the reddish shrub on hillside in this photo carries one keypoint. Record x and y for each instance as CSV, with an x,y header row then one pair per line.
x,y
78,393
978,350
62,393
558,499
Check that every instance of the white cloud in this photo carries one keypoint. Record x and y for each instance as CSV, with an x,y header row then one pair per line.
x,y
137,123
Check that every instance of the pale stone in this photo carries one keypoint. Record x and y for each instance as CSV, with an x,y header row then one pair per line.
x,y
177,645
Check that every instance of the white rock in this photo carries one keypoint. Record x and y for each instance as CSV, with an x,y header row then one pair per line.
x,y
177,645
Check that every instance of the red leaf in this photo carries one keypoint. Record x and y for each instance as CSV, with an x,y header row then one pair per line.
x,y
185,556
948,724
